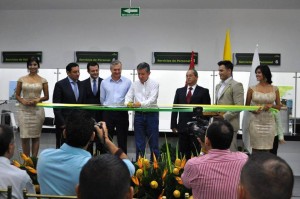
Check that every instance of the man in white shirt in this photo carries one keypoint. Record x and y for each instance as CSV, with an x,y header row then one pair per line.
x,y
144,93
9,174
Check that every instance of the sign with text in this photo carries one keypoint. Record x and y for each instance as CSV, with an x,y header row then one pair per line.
x,y
267,59
99,57
173,58
20,56
126,12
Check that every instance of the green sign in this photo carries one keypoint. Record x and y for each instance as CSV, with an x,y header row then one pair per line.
x,y
20,56
125,12
173,58
264,58
99,57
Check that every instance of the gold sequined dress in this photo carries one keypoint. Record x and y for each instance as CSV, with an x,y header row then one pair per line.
x,y
31,118
262,127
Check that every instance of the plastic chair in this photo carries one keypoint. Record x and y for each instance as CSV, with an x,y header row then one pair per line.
x,y
7,191
29,195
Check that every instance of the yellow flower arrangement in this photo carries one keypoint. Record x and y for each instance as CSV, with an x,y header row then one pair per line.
x,y
29,164
156,179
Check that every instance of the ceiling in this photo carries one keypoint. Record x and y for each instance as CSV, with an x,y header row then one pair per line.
x,y
148,4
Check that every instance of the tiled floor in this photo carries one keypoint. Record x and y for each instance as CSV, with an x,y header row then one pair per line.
x,y
290,152
296,190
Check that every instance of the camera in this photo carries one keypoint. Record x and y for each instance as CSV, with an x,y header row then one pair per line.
x,y
199,125
99,124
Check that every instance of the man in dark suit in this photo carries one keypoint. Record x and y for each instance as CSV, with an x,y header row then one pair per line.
x,y
92,88
92,96
190,94
70,91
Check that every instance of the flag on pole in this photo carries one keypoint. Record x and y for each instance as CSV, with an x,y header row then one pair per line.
x,y
246,117
192,61
227,55
192,64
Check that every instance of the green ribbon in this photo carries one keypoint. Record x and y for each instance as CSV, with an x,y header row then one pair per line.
x,y
164,108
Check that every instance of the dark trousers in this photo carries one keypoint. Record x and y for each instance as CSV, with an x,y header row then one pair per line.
x,y
97,115
275,145
59,137
146,126
117,124
188,144
95,147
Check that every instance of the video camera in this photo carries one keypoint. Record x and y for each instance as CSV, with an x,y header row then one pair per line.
x,y
199,125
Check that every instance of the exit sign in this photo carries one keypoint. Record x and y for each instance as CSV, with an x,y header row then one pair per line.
x,y
126,12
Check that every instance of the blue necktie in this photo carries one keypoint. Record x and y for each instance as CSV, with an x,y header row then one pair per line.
x,y
94,87
75,89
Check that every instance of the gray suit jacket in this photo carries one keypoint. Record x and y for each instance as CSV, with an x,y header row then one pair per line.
x,y
233,94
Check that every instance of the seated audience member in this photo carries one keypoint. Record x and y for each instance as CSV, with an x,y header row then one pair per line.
x,y
216,174
105,176
59,169
9,174
266,176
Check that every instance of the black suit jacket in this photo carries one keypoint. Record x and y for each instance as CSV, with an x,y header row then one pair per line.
x,y
200,96
63,93
90,98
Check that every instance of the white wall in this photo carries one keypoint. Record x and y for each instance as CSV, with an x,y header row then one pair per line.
x,y
59,33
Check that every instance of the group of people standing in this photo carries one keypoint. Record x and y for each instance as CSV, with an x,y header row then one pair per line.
x,y
262,126
114,91
117,90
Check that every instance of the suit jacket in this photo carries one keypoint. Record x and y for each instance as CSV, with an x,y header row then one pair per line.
x,y
63,93
233,94
90,98
200,96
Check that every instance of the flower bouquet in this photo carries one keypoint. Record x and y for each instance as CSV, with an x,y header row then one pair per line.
x,y
156,179
29,164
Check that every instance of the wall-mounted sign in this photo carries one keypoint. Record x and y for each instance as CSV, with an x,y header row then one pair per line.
x,y
173,58
99,57
246,58
20,56
126,12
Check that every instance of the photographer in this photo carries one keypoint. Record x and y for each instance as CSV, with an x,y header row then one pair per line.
x,y
59,169
216,174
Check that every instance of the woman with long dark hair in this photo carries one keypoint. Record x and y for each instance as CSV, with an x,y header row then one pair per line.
x,y
31,117
262,127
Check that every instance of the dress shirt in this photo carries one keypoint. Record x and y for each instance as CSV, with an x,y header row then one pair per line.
x,y
146,93
192,91
15,177
215,175
59,169
75,89
223,85
92,83
113,92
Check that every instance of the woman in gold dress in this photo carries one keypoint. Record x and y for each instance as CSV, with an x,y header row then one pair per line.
x,y
31,117
262,127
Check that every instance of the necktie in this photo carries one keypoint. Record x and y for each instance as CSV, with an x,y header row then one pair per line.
x,y
75,89
189,95
94,87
